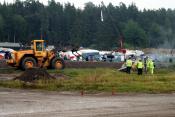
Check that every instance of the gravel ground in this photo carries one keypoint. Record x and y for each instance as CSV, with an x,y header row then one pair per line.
x,y
29,103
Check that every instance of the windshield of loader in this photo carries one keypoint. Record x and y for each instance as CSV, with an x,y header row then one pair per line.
x,y
39,46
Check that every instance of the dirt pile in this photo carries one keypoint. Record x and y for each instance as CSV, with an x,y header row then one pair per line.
x,y
33,74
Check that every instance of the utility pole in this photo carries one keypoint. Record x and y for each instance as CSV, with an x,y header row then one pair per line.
x,y
115,26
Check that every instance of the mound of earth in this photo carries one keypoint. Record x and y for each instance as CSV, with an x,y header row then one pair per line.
x,y
33,74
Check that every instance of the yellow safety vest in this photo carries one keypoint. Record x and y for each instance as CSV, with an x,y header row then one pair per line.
x,y
129,63
139,65
151,64
147,63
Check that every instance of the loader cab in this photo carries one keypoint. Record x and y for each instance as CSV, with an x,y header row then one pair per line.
x,y
39,47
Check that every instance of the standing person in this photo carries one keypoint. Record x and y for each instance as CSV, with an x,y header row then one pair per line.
x,y
147,65
128,65
140,67
151,66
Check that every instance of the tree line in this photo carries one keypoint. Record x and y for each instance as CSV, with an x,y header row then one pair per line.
x,y
64,25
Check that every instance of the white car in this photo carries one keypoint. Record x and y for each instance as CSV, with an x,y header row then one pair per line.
x,y
2,54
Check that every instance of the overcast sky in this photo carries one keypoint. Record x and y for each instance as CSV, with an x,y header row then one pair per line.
x,y
148,4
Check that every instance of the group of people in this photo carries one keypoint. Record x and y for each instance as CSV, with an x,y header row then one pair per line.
x,y
147,65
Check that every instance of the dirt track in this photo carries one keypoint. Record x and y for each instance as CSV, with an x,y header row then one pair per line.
x,y
8,76
25,103
83,64
80,64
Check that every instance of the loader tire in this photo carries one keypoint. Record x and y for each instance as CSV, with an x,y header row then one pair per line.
x,y
57,63
28,62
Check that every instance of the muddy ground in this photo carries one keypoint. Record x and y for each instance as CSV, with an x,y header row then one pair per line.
x,y
29,103
10,76
89,64
80,64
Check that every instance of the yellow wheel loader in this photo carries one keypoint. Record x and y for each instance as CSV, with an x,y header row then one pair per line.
x,y
37,56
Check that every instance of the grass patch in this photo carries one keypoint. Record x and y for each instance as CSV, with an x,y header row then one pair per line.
x,y
103,80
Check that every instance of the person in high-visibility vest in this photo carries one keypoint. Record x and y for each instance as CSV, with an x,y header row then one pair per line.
x,y
128,65
151,66
140,67
147,65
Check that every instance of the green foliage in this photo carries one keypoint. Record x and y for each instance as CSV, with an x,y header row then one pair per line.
x,y
135,35
65,25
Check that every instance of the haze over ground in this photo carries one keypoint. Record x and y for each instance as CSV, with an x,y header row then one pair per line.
x,y
141,4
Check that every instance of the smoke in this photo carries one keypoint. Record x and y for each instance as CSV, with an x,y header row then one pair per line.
x,y
164,53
